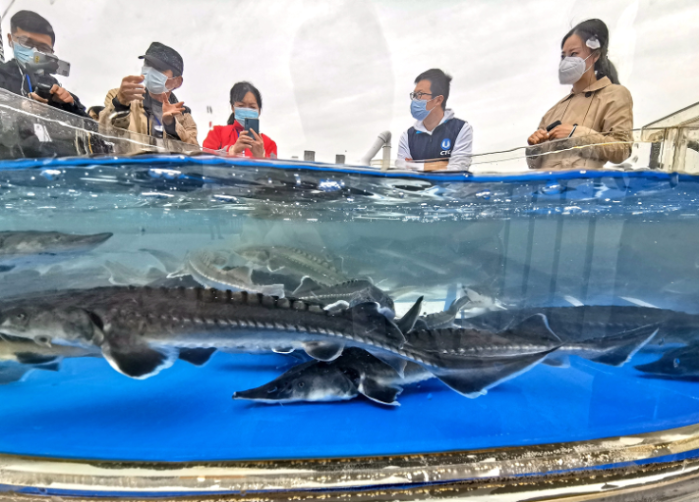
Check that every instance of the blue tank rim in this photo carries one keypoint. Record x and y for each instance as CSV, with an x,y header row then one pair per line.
x,y
174,160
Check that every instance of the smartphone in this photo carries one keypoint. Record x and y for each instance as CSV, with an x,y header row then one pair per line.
x,y
551,127
50,64
252,124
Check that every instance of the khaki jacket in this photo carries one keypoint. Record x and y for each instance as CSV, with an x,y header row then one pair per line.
x,y
137,120
603,114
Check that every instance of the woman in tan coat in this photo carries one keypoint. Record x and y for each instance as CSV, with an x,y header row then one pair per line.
x,y
598,111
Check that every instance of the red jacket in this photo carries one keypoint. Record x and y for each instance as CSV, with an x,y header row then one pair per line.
x,y
223,137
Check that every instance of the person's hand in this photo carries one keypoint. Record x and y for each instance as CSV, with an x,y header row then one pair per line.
x,y
60,95
131,89
244,142
561,131
170,110
38,98
258,146
538,137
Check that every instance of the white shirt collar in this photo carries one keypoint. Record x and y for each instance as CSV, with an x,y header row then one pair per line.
x,y
448,115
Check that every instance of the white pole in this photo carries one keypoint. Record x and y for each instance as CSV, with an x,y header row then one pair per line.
x,y
383,139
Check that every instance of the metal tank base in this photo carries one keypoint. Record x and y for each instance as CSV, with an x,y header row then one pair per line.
x,y
658,466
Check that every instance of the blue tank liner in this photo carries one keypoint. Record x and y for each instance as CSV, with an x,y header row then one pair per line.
x,y
91,412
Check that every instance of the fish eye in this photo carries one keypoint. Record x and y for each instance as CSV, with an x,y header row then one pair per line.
x,y
301,384
43,340
21,316
676,362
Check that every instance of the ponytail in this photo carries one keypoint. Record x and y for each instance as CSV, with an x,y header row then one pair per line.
x,y
596,29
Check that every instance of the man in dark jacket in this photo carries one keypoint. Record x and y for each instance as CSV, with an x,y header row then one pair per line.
x,y
31,33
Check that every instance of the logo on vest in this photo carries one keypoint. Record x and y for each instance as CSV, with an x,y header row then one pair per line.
x,y
446,144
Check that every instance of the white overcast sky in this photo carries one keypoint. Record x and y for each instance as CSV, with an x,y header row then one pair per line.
x,y
335,73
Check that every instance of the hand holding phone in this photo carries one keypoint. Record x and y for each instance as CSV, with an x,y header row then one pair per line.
x,y
553,125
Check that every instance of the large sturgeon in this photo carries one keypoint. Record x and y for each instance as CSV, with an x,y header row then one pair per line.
x,y
141,330
31,248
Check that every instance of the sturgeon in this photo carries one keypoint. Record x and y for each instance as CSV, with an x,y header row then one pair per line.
x,y
348,293
294,262
209,269
356,372
19,356
608,335
31,248
140,330
680,363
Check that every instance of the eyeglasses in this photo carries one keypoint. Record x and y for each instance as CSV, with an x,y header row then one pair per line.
x,y
416,96
33,44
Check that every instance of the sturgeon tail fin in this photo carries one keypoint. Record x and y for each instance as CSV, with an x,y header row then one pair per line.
x,y
617,350
474,376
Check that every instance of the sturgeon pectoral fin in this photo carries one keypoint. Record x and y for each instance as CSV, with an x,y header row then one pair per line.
x,y
394,362
382,394
170,262
458,305
6,268
557,361
472,377
368,321
49,367
407,322
32,358
323,351
11,372
306,287
136,359
197,357
537,324
337,307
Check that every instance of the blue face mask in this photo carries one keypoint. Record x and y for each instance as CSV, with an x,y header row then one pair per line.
x,y
23,54
418,109
155,81
245,113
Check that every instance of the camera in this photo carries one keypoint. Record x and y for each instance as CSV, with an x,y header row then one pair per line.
x,y
43,90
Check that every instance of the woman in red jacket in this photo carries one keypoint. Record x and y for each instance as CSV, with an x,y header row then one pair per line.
x,y
246,102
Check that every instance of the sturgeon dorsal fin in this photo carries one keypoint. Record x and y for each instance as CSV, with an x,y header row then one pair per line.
x,y
197,356
407,322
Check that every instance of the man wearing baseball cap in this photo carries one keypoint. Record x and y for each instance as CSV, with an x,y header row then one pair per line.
x,y
145,103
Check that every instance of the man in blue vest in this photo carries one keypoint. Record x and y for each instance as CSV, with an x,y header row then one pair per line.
x,y
438,138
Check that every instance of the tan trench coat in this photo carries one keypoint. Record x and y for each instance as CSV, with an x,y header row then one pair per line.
x,y
137,121
603,114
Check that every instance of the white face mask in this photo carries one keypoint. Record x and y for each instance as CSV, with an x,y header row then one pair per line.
x,y
571,69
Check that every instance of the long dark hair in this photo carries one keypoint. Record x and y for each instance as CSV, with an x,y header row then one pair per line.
x,y
595,28
238,92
